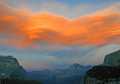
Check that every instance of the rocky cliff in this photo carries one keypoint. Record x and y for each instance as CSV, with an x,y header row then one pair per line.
x,y
10,68
112,59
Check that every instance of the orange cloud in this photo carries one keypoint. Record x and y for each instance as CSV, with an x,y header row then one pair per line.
x,y
85,30
26,29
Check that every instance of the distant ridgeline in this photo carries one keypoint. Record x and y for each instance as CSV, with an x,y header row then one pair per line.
x,y
106,73
10,68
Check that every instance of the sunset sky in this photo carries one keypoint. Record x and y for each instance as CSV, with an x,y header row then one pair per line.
x,y
55,33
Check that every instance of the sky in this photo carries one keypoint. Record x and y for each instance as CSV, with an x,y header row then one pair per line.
x,y
55,33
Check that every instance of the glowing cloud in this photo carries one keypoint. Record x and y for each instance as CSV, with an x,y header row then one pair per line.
x,y
24,28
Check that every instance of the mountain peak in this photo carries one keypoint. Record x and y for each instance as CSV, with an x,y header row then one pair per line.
x,y
76,65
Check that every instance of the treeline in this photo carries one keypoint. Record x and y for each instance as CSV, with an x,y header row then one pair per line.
x,y
17,81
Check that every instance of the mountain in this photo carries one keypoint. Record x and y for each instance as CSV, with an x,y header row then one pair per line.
x,y
74,74
104,73
112,59
10,68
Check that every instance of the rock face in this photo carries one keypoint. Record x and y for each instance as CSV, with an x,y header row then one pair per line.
x,y
10,68
113,59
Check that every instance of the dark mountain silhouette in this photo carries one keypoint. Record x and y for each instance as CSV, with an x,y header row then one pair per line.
x,y
103,74
106,73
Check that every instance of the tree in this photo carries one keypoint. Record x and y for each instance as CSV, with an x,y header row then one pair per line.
x,y
104,73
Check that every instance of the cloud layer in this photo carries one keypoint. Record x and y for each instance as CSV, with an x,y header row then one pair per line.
x,y
25,28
